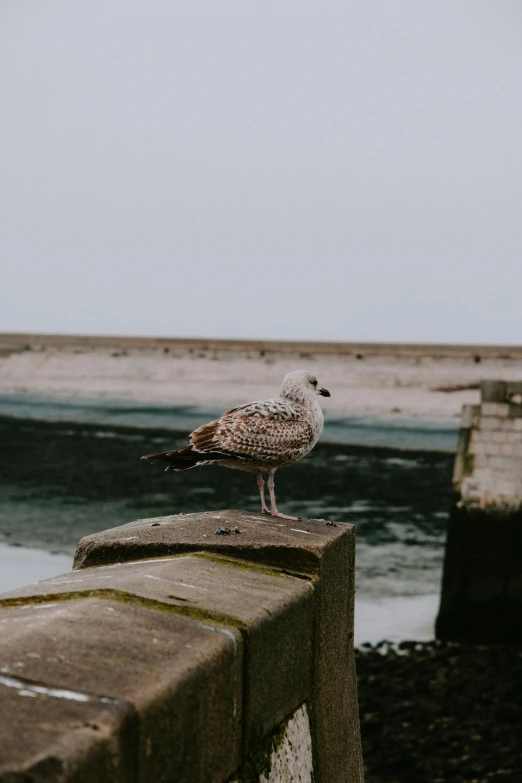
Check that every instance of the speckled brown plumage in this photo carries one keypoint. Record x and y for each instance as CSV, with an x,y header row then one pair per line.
x,y
258,437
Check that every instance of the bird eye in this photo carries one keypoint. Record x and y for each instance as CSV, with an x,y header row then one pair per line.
x,y
313,382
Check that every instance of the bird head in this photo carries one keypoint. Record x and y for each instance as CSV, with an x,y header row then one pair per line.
x,y
302,386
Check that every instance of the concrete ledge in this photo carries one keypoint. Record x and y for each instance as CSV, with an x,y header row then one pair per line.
x,y
189,665
98,661
296,546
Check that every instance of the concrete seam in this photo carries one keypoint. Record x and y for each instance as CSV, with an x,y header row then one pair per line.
x,y
191,613
247,564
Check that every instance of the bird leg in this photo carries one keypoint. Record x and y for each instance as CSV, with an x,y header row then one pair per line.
x,y
261,485
273,508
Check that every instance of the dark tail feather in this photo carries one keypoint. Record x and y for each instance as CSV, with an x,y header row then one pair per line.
x,y
185,458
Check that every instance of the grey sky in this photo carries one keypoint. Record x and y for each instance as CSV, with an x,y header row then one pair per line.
x,y
335,170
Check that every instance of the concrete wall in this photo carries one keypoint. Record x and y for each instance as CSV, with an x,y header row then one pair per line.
x,y
482,585
488,468
172,653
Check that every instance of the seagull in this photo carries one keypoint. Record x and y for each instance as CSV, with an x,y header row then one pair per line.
x,y
259,437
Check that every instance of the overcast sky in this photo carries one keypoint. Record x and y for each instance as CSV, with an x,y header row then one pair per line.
x,y
339,170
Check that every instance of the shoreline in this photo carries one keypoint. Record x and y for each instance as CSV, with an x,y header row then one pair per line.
x,y
366,380
368,431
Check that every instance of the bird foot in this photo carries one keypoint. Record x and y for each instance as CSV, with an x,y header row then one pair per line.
x,y
279,515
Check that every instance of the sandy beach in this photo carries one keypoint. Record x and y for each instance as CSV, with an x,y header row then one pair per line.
x,y
430,382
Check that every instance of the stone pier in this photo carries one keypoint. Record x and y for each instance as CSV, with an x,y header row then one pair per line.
x,y
482,584
201,648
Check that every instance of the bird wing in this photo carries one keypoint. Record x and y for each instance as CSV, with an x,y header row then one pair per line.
x,y
274,430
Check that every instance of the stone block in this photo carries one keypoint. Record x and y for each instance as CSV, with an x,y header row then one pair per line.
x,y
481,462
51,734
309,547
478,447
185,634
490,423
295,546
481,475
274,611
497,409
107,667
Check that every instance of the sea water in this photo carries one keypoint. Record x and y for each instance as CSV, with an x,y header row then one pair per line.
x,y
73,468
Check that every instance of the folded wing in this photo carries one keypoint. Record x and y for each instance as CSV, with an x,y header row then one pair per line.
x,y
271,432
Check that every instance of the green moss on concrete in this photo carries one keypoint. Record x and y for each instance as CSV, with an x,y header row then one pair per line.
x,y
250,566
191,612
469,464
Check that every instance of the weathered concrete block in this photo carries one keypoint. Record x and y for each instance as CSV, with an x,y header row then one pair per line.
x,y
185,661
490,423
121,665
496,409
51,734
497,461
274,610
478,447
311,547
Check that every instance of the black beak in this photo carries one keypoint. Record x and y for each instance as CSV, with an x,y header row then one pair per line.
x,y
324,392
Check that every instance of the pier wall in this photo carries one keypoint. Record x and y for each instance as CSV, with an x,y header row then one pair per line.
x,y
173,652
482,584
